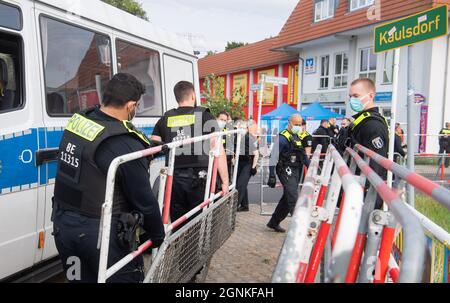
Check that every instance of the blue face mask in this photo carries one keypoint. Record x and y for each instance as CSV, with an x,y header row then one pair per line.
x,y
356,104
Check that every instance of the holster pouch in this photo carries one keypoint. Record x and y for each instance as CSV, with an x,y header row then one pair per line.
x,y
129,227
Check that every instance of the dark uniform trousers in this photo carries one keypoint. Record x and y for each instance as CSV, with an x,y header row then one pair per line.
x,y
243,177
188,191
77,236
290,193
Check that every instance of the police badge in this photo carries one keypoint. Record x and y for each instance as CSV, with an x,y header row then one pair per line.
x,y
378,143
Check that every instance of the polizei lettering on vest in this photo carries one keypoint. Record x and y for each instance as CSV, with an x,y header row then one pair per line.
x,y
84,127
408,33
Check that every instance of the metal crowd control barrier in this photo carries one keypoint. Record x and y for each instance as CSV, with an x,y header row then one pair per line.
x,y
434,167
423,184
438,239
213,231
362,237
308,233
382,229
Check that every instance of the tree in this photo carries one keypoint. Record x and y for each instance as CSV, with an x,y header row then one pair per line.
x,y
131,6
216,100
233,44
210,53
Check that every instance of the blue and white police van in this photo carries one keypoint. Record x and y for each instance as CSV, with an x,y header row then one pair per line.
x,y
56,56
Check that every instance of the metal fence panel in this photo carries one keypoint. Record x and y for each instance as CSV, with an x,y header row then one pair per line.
x,y
190,248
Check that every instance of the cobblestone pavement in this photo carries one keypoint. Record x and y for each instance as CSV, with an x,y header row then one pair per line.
x,y
251,253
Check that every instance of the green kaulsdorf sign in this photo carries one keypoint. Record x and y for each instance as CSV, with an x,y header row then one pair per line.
x,y
417,28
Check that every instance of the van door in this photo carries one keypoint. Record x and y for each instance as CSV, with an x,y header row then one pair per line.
x,y
175,70
77,65
20,138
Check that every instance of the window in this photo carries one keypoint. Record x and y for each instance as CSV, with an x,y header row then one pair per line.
x,y
10,17
77,65
357,4
324,9
10,72
175,70
144,64
388,67
324,72
341,70
368,66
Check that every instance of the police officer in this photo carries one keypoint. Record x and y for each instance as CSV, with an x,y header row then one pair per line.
x,y
248,160
306,139
369,127
92,139
290,155
444,142
191,161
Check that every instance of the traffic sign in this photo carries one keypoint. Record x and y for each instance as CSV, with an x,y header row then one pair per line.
x,y
417,28
419,99
276,80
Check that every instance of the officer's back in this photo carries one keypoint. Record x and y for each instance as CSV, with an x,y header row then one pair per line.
x,y
191,161
321,136
369,128
92,139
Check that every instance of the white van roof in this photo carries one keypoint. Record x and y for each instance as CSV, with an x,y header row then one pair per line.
x,y
108,15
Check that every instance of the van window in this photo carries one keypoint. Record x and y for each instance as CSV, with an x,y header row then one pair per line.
x,y
143,63
175,70
10,72
10,17
77,65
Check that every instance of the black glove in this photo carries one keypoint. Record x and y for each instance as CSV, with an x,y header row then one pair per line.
x,y
272,181
253,171
157,242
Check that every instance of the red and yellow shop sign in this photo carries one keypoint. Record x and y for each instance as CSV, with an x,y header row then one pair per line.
x,y
269,89
240,83
292,94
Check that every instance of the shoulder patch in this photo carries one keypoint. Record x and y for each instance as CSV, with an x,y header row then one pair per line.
x,y
378,143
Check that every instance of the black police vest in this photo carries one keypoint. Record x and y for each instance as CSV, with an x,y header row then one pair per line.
x,y
356,126
180,125
294,156
80,185
363,118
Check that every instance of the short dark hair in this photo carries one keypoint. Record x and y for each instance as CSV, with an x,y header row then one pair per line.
x,y
121,89
223,113
182,90
323,121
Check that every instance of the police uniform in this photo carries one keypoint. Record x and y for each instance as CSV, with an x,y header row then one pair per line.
x,y
444,144
306,139
91,140
191,161
249,146
371,130
291,157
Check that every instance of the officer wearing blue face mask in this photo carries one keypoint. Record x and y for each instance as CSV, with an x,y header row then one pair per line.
x,y
369,128
289,156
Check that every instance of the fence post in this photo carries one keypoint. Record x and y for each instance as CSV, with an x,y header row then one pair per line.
x,y
376,223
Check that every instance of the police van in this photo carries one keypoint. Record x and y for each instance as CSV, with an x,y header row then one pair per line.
x,y
56,56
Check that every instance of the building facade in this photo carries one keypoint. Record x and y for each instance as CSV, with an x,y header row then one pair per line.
x,y
324,45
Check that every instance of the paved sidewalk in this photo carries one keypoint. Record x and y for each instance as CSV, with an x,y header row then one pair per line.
x,y
251,253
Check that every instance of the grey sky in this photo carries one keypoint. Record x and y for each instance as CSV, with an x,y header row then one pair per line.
x,y
214,22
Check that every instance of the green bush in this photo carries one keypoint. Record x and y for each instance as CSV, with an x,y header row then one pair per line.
x,y
217,102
